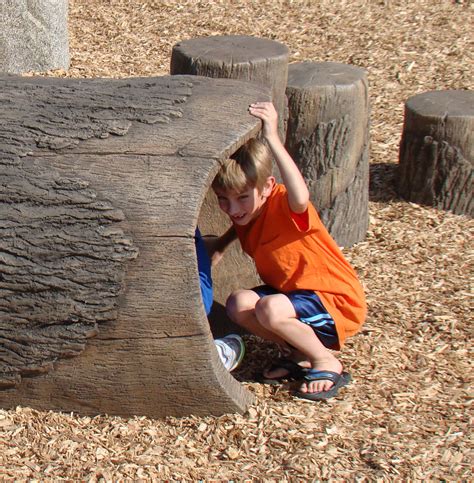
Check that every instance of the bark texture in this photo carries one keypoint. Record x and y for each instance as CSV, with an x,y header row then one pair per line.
x,y
328,137
101,184
437,151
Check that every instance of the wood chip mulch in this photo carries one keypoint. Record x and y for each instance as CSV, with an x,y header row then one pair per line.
x,y
408,413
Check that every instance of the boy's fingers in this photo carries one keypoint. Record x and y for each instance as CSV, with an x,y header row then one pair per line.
x,y
259,108
259,105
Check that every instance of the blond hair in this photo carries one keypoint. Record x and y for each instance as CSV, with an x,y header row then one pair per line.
x,y
249,167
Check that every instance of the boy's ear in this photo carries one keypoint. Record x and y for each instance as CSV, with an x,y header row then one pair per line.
x,y
268,186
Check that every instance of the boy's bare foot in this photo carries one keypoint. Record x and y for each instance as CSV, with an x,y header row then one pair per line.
x,y
330,363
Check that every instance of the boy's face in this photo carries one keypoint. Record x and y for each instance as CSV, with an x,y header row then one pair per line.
x,y
243,207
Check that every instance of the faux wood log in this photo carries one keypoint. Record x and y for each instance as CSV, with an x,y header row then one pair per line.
x,y
436,162
33,35
328,137
101,186
256,60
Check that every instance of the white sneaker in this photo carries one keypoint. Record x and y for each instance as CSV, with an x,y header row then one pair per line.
x,y
231,350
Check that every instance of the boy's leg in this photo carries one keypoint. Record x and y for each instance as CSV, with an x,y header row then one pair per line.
x,y
276,314
204,269
241,309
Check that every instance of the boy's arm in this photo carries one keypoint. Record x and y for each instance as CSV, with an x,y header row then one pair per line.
x,y
216,245
298,194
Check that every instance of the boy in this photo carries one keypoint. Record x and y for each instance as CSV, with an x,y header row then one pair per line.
x,y
231,348
312,299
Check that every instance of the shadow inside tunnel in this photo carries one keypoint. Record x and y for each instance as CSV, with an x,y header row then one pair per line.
x,y
220,323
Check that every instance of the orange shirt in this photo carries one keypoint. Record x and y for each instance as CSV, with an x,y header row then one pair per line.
x,y
289,257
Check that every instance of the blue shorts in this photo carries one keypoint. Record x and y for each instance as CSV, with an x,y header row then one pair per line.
x,y
309,310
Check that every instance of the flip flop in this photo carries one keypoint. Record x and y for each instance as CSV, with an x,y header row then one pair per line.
x,y
295,371
339,380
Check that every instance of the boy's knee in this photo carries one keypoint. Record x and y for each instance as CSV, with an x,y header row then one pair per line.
x,y
239,301
266,311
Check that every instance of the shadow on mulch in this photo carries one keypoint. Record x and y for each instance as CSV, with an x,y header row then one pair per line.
x,y
259,354
383,182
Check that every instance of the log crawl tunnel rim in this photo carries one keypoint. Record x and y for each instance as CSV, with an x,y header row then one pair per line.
x,y
150,361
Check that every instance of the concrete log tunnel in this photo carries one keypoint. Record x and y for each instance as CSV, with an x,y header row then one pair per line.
x,y
102,184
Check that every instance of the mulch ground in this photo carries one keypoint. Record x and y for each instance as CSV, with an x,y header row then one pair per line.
x,y
408,413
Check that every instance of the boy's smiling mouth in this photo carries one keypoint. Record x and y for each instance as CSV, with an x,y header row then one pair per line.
x,y
238,218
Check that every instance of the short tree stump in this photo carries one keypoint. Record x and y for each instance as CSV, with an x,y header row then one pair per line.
x,y
328,137
242,57
33,35
436,161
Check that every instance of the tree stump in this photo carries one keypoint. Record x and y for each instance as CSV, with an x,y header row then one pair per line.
x,y
328,137
437,151
101,185
34,35
256,60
